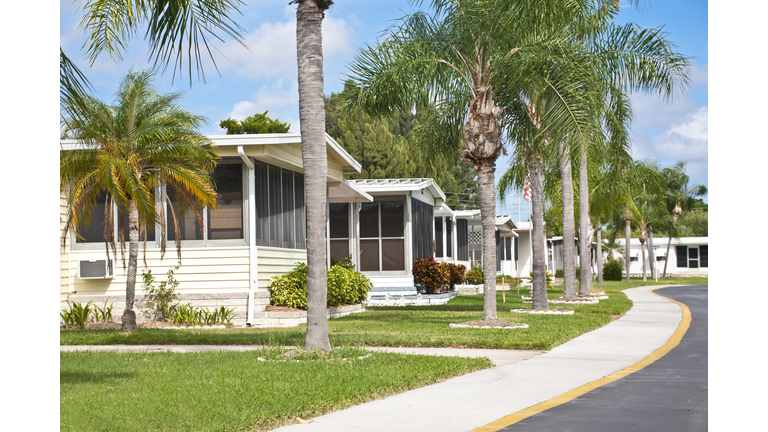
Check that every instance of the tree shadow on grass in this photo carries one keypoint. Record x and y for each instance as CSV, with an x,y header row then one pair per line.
x,y
85,377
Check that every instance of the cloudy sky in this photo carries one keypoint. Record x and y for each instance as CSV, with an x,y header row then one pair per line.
x,y
264,76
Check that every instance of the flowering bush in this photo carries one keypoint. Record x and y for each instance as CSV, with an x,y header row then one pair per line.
x,y
430,274
613,269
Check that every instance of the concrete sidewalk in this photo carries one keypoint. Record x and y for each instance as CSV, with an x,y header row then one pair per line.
x,y
520,380
482,397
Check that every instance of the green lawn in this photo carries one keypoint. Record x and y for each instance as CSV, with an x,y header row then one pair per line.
x,y
233,391
414,326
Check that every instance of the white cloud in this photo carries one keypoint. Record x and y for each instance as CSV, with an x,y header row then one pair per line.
x,y
280,98
685,140
273,48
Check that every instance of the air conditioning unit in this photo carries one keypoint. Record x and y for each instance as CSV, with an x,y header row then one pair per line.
x,y
95,269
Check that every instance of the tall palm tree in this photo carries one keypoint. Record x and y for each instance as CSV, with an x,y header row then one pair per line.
x,y
460,58
679,197
309,51
128,151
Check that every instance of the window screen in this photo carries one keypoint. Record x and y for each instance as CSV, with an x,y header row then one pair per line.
x,y
262,203
338,219
438,237
462,240
682,256
289,231
189,225
226,222
693,257
449,237
508,248
421,222
300,211
275,207
704,256
94,231
123,225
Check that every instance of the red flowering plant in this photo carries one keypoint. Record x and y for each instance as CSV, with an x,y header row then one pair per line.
x,y
430,274
457,273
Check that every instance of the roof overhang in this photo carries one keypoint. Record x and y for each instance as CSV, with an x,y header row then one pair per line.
x,y
344,192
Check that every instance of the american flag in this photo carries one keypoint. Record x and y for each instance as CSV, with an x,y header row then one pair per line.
x,y
527,189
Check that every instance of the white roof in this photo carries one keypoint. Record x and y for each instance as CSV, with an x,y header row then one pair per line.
x,y
399,185
349,164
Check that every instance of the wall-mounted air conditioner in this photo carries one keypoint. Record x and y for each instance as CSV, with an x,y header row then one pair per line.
x,y
95,269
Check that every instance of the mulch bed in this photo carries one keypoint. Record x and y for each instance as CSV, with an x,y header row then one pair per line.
x,y
114,325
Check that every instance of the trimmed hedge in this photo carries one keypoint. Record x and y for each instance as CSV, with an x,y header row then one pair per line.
x,y
345,286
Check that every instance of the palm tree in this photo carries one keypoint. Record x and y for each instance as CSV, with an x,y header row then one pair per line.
x,y
460,59
309,50
130,150
679,197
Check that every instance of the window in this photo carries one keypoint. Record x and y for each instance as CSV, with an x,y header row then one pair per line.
x,y
682,256
704,256
421,217
93,233
462,238
226,223
449,237
338,221
280,207
693,257
508,248
439,237
382,236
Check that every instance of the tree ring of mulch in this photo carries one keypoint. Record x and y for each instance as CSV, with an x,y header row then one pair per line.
x,y
500,324
580,300
151,324
543,311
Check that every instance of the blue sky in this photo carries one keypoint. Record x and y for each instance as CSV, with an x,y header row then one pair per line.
x,y
265,77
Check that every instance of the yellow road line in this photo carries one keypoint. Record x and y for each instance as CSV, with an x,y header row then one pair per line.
x,y
673,341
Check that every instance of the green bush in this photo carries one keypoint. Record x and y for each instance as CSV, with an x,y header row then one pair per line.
x,y
345,286
613,269
475,274
559,273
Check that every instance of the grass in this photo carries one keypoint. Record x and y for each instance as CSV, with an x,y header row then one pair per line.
x,y
413,326
233,391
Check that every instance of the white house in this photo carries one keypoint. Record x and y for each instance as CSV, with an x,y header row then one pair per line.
x,y
688,256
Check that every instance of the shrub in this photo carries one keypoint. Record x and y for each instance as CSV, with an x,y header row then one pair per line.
x,y
559,273
345,286
613,269
456,273
475,274
549,279
344,262
160,298
290,289
430,274
77,315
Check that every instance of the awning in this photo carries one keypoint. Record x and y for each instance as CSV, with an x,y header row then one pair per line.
x,y
344,192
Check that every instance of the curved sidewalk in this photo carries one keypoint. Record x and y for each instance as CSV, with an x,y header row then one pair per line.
x,y
482,397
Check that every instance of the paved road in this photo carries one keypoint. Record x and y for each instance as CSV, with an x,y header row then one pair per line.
x,y
667,395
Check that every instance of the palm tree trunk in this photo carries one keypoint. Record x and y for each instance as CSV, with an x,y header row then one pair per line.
x,y
129,316
627,231
585,240
651,255
569,228
666,258
537,235
309,50
487,196
599,257
642,251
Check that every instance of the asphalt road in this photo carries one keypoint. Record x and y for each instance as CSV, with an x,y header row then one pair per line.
x,y
667,395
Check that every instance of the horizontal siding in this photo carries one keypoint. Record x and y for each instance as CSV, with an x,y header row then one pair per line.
x,y
202,270
275,262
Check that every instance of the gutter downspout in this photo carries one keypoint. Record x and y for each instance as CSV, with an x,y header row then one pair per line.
x,y
253,251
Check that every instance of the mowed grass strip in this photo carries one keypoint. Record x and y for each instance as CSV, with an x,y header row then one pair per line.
x,y
409,326
233,391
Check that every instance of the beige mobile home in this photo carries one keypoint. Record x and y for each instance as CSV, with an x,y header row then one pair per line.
x,y
259,230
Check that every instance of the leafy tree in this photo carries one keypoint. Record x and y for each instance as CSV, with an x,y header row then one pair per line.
x,y
309,52
129,149
389,148
255,124
696,222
